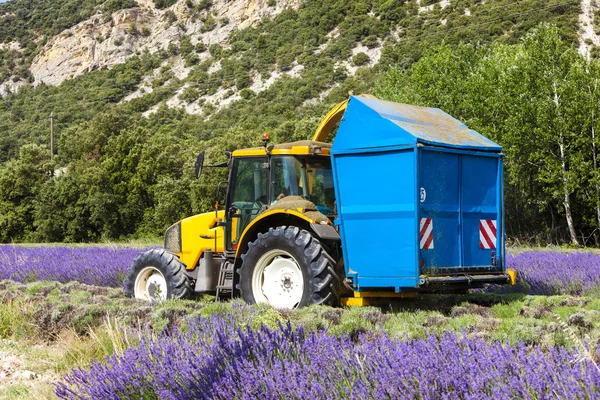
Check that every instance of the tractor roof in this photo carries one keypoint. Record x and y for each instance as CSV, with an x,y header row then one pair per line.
x,y
303,147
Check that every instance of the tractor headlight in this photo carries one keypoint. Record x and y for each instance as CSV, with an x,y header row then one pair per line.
x,y
173,238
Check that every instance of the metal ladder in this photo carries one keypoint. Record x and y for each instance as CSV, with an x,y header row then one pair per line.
x,y
225,283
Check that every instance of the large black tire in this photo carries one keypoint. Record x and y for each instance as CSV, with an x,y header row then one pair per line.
x,y
316,265
168,265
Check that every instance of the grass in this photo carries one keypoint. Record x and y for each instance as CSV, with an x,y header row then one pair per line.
x,y
44,311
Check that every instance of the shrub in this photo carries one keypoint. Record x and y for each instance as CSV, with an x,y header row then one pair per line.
x,y
247,94
204,4
200,47
360,59
189,94
185,45
209,24
370,41
110,6
160,4
145,31
170,17
133,29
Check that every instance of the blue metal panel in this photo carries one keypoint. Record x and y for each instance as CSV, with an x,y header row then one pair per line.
x,y
376,194
439,183
382,156
462,193
480,203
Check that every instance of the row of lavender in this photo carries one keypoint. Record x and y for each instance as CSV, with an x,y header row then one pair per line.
x,y
216,360
539,272
101,266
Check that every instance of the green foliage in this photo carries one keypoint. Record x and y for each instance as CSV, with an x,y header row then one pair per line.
x,y
110,6
145,31
160,4
133,29
204,4
539,100
170,17
360,59
26,20
185,45
209,24
127,175
20,183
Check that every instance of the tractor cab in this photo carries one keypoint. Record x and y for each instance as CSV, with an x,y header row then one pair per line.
x,y
289,176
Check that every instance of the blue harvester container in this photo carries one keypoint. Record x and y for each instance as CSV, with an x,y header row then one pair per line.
x,y
419,197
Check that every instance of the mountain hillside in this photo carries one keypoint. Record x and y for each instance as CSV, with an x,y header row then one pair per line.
x,y
137,87
49,43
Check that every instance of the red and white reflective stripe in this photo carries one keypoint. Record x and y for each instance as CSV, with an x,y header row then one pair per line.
x,y
487,233
426,234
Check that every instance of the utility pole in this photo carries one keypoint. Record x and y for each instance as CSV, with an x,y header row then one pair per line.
x,y
52,136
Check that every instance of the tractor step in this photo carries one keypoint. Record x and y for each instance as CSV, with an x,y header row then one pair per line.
x,y
225,283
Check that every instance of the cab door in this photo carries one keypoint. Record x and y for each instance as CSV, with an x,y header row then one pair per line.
x,y
246,196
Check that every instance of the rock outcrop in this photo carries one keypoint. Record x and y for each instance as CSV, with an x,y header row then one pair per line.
x,y
103,41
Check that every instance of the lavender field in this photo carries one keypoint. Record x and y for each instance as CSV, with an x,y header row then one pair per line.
x,y
216,359
553,272
539,272
540,342
101,266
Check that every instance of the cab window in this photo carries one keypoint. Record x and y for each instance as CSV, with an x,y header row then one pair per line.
x,y
320,184
287,178
248,194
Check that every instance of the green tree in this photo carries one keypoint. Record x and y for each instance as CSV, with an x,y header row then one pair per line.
x,y
20,183
527,97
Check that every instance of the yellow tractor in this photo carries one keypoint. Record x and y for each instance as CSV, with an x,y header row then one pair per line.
x,y
281,240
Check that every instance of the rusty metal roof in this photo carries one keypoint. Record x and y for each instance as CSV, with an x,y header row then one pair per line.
x,y
370,122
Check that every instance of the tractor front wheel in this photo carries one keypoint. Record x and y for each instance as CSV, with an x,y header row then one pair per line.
x,y
157,275
288,268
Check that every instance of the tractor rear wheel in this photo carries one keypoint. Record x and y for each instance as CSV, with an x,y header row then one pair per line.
x,y
288,268
157,275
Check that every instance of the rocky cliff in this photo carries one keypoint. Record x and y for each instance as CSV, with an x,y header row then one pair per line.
x,y
103,41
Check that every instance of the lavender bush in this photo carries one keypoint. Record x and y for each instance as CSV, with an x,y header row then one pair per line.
x,y
553,272
102,266
217,359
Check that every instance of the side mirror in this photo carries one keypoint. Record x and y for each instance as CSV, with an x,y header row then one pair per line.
x,y
199,164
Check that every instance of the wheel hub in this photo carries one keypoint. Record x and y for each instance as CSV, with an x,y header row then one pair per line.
x,y
278,280
287,283
150,284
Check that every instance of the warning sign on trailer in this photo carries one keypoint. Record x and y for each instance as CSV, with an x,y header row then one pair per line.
x,y
487,233
426,234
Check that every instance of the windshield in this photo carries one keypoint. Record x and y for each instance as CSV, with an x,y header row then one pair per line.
x,y
309,178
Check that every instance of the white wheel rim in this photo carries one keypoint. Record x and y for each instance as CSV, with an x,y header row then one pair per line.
x,y
278,280
151,285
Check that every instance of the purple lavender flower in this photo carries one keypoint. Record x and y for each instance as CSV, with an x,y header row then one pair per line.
x,y
215,359
553,272
102,266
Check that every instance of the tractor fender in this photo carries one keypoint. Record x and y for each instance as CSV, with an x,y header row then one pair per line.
x,y
314,222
